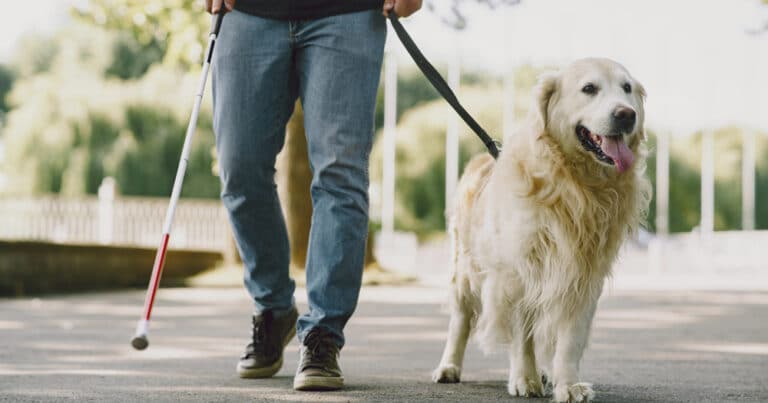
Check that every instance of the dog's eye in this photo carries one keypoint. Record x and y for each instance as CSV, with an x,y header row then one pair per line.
x,y
627,88
589,89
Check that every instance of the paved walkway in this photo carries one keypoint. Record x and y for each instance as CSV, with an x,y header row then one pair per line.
x,y
672,346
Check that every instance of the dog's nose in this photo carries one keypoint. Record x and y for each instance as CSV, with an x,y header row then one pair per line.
x,y
624,119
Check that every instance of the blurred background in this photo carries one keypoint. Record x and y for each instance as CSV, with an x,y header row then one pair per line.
x,y
95,96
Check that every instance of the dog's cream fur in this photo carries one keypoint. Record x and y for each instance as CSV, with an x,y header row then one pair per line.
x,y
535,233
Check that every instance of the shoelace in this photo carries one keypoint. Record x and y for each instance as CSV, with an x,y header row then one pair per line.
x,y
259,333
320,347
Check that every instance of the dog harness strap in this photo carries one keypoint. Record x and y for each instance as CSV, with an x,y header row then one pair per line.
x,y
441,86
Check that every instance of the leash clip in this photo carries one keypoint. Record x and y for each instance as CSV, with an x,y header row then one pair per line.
x,y
497,143
494,148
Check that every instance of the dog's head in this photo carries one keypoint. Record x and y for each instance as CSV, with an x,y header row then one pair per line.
x,y
593,107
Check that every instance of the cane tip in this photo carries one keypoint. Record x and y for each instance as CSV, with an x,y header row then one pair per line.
x,y
140,342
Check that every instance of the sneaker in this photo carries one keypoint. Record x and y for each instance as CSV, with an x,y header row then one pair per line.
x,y
263,357
318,363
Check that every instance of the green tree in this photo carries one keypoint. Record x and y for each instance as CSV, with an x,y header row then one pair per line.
x,y
761,182
685,181
6,82
130,59
420,162
175,29
35,55
420,156
684,189
420,165
73,122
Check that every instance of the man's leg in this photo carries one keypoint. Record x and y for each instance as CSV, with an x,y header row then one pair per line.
x,y
253,95
254,88
339,64
338,61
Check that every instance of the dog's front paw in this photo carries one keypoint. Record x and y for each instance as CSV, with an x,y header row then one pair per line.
x,y
577,392
525,387
447,374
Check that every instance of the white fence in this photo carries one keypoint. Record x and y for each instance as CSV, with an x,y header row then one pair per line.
x,y
124,221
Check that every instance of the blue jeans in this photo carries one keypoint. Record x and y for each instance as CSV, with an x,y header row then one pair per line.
x,y
260,68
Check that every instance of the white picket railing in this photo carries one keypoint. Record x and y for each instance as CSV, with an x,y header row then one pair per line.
x,y
124,221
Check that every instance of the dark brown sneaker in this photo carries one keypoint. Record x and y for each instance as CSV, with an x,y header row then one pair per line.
x,y
263,356
318,363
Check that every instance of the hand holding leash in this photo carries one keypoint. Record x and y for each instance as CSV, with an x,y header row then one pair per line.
x,y
214,6
403,8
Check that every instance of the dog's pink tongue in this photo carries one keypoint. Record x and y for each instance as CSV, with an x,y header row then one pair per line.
x,y
617,149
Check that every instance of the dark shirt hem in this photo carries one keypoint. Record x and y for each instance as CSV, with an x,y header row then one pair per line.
x,y
304,9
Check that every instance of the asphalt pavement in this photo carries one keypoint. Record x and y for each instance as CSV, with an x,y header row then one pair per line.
x,y
647,346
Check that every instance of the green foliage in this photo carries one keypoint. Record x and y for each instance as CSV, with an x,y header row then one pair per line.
x,y
34,55
420,164
110,95
175,29
6,82
94,100
130,59
143,167
685,181
761,182
70,126
684,189
728,186
413,89
420,177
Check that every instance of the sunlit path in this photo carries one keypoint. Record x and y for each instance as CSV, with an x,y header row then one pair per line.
x,y
646,346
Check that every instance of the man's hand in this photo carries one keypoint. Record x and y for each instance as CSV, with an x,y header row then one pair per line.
x,y
214,6
402,8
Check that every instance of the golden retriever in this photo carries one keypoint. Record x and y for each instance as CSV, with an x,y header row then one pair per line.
x,y
535,233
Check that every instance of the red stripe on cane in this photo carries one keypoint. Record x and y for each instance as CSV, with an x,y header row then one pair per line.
x,y
157,271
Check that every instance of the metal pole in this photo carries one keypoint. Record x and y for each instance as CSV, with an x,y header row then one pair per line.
x,y
106,193
389,144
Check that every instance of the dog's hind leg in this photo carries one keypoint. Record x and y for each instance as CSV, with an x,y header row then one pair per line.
x,y
449,370
524,378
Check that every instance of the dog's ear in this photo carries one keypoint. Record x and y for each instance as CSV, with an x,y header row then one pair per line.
x,y
543,92
641,92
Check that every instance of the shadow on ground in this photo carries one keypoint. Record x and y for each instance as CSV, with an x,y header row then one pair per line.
x,y
646,347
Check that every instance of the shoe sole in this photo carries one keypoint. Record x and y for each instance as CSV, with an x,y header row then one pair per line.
x,y
317,383
266,372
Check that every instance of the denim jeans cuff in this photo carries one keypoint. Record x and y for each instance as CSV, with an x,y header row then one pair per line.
x,y
278,312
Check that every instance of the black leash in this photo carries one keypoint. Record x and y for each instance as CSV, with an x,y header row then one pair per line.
x,y
441,86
